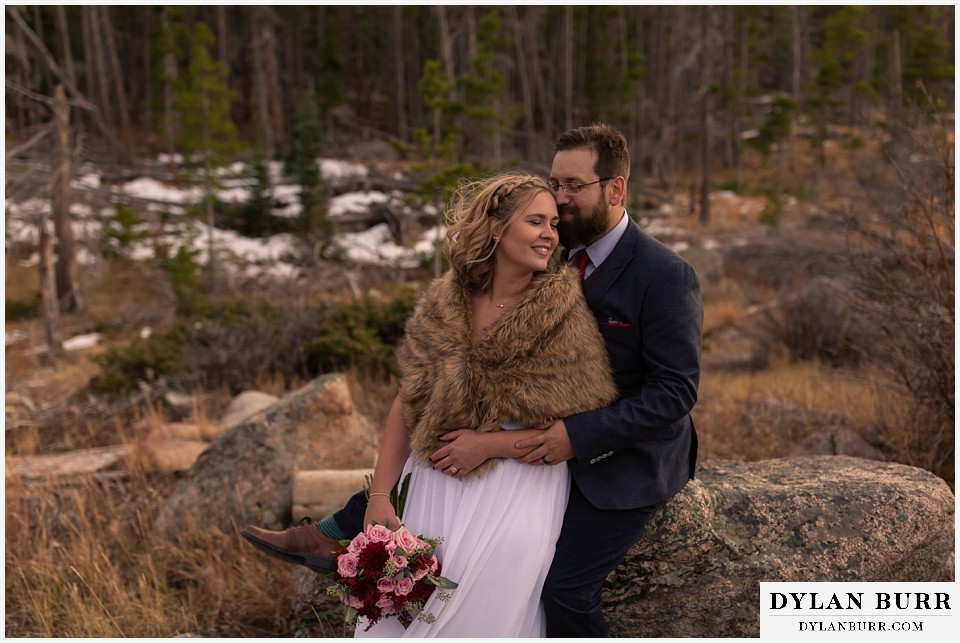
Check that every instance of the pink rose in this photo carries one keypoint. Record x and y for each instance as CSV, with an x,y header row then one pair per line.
x,y
379,534
407,541
420,573
358,543
386,585
355,602
434,564
400,562
347,565
385,603
404,586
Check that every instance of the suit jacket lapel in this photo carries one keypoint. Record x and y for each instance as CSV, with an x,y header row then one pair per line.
x,y
600,281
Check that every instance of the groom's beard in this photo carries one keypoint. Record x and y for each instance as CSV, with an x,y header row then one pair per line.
x,y
583,229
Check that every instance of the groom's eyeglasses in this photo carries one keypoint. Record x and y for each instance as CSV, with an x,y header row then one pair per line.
x,y
572,188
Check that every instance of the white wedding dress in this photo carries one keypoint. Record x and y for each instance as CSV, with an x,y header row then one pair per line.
x,y
500,531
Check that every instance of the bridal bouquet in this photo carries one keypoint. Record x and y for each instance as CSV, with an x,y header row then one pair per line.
x,y
383,573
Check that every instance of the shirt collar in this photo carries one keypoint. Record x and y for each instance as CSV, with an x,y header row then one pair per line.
x,y
599,250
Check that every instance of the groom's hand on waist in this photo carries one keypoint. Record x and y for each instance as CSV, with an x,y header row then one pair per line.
x,y
550,446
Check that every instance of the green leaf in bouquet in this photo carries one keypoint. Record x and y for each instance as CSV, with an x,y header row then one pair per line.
x,y
440,581
402,495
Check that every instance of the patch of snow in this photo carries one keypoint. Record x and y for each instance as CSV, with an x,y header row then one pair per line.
x,y
88,181
235,195
81,342
13,336
376,246
148,188
355,202
334,168
168,158
145,332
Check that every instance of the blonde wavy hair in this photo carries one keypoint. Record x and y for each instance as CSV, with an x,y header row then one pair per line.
x,y
474,211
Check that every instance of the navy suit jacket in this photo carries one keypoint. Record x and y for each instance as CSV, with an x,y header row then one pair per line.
x,y
643,448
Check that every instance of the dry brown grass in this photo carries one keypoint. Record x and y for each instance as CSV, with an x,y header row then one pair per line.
x,y
764,414
82,560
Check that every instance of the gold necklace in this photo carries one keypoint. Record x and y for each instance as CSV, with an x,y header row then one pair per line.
x,y
501,306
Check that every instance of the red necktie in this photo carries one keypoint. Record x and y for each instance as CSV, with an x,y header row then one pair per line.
x,y
581,260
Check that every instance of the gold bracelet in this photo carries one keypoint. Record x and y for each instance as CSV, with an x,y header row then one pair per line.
x,y
379,493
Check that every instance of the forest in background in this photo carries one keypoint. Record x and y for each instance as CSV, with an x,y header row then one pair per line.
x,y
802,158
485,85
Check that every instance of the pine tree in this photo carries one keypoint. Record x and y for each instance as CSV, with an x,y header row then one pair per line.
x,y
436,97
207,134
257,213
483,89
301,163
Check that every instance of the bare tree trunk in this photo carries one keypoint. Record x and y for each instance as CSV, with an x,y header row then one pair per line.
x,y
398,73
567,67
446,48
147,116
744,68
23,114
67,284
274,92
797,68
121,94
730,138
260,82
98,66
896,73
224,53
523,73
90,78
38,29
60,15
170,120
470,18
705,118
48,290
542,98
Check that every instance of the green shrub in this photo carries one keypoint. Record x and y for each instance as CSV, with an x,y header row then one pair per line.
x,y
362,334
17,309
122,368
235,342
182,270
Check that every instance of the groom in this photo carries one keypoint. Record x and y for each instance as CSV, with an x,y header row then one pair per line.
x,y
627,459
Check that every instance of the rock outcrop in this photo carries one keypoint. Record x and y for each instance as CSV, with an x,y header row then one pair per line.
x,y
245,476
697,570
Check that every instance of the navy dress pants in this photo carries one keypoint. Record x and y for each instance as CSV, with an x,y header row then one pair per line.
x,y
592,543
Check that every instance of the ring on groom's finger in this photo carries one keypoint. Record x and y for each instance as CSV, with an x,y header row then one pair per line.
x,y
544,460
453,470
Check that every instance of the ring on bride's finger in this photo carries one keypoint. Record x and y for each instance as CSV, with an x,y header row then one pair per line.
x,y
544,460
454,470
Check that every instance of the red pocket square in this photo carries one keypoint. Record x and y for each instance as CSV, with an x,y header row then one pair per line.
x,y
615,323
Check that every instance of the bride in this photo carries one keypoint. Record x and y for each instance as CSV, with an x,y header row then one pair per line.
x,y
499,345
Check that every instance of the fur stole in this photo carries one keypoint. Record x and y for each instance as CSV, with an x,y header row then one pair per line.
x,y
544,359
